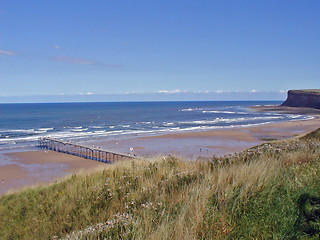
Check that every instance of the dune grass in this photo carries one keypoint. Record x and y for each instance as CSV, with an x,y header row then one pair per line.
x,y
266,192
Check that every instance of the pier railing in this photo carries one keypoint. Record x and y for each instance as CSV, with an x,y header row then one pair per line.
x,y
93,153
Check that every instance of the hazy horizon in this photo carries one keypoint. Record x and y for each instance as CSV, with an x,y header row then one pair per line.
x,y
146,97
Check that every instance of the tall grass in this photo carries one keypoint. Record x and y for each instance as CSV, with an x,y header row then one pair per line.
x,y
249,195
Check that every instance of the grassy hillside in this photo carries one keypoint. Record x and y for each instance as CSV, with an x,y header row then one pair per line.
x,y
268,192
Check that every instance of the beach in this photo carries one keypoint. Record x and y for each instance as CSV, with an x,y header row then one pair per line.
x,y
190,145
38,167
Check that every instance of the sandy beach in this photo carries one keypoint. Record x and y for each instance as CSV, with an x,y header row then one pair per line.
x,y
190,145
34,167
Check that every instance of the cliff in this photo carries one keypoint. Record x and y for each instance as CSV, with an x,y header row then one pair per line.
x,y
303,98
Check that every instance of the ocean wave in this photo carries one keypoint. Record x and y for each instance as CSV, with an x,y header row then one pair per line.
x,y
212,111
18,130
189,109
79,130
309,117
99,127
174,129
168,123
29,138
45,129
10,132
302,118
144,122
229,120
224,112
103,131
294,116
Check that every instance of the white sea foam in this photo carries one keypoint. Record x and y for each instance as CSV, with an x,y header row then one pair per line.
x,y
207,110
79,130
19,130
96,127
38,132
295,116
144,122
99,132
174,129
188,109
304,118
45,129
229,112
7,140
118,131
229,120
309,117
224,112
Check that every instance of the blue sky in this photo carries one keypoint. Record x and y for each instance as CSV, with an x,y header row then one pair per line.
x,y
210,48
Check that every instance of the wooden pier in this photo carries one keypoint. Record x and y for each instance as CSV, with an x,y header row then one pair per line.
x,y
93,153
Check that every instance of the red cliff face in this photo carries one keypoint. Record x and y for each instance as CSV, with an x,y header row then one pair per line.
x,y
303,98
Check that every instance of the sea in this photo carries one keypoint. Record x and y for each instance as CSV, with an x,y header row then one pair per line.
x,y
21,125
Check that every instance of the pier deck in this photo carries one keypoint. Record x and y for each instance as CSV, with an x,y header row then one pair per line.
x,y
93,153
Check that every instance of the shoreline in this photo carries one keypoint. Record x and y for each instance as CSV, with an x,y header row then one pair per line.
x,y
219,141
29,168
287,110
190,145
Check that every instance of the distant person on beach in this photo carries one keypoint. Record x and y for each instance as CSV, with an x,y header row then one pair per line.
x,y
131,150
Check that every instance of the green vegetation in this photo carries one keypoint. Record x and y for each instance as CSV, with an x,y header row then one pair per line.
x,y
311,91
267,192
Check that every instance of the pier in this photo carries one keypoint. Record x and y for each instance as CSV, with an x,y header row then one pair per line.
x,y
93,153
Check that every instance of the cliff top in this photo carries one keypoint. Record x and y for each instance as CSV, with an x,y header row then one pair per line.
x,y
310,91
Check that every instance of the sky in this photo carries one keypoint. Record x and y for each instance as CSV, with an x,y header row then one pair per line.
x,y
157,50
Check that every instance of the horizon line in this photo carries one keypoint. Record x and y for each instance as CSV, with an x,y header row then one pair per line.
x,y
145,101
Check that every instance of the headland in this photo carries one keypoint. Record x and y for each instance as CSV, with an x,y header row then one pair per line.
x,y
309,98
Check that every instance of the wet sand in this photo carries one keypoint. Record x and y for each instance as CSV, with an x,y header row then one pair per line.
x,y
190,145
285,109
34,167
29,168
